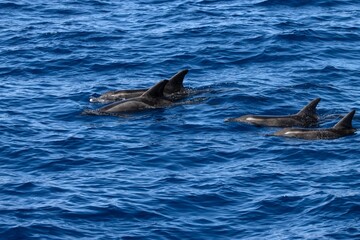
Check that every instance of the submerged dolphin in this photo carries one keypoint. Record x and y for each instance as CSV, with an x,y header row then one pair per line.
x,y
305,118
173,89
152,98
342,128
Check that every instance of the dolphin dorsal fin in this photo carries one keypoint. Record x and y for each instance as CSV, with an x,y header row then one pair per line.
x,y
310,109
156,91
345,122
176,81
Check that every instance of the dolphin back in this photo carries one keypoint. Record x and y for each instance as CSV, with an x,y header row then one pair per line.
x,y
175,83
157,91
346,122
310,109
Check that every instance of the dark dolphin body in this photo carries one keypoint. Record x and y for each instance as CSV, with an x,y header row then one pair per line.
x,y
305,118
174,89
342,128
152,98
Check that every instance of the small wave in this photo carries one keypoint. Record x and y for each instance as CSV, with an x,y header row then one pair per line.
x,y
49,230
281,205
326,69
115,65
304,3
288,3
309,85
11,5
335,206
266,56
309,35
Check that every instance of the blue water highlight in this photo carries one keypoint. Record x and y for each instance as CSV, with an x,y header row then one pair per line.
x,y
180,172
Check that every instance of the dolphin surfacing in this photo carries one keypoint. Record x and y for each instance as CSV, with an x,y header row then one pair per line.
x,y
306,117
151,99
113,96
342,128
173,89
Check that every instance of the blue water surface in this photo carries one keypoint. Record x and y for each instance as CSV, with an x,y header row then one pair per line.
x,y
179,172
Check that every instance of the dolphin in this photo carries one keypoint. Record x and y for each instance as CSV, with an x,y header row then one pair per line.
x,y
306,117
342,128
152,98
174,89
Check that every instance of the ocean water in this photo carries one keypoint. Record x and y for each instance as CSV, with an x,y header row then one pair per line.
x,y
180,172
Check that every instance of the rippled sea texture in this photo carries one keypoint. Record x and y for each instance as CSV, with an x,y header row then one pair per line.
x,y
179,172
